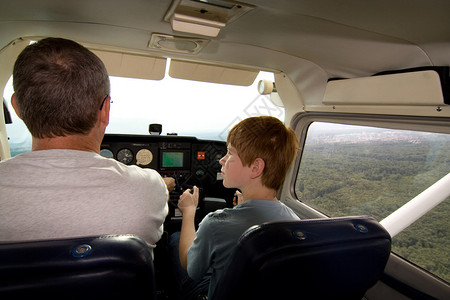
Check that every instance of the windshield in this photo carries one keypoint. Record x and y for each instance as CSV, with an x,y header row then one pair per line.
x,y
183,107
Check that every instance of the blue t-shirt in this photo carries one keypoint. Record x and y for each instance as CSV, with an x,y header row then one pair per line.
x,y
219,232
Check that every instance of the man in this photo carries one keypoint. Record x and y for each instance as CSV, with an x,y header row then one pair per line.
x,y
63,187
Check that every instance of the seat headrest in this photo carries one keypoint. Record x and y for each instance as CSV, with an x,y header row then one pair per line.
x,y
337,258
105,266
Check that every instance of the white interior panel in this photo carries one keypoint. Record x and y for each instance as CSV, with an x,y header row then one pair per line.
x,y
415,88
210,73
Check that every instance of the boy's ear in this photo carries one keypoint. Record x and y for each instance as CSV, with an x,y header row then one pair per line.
x,y
257,167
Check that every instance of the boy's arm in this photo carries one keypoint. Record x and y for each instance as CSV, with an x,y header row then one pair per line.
x,y
188,205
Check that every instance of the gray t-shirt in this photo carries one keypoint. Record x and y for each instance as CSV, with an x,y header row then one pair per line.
x,y
68,193
219,232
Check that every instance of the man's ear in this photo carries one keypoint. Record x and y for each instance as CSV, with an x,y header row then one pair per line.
x,y
15,106
104,112
257,167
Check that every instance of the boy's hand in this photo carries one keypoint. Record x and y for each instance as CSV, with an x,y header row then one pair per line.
x,y
238,198
188,201
188,205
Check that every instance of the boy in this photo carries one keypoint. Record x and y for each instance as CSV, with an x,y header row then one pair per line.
x,y
260,151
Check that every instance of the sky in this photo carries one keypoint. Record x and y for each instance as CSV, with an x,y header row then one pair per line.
x,y
183,106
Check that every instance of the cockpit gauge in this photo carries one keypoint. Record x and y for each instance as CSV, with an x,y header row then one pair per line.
x,y
125,156
106,153
144,157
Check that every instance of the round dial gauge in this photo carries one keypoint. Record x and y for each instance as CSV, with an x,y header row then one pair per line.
x,y
125,156
106,153
144,157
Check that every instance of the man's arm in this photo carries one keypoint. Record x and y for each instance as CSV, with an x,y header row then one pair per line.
x,y
188,205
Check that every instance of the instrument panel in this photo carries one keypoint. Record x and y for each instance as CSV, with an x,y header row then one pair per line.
x,y
187,159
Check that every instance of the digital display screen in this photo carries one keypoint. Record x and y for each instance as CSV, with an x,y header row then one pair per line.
x,y
172,159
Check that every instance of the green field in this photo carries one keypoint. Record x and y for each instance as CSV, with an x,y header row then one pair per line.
x,y
373,178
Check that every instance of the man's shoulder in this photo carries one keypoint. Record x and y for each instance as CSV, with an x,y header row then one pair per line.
x,y
15,161
136,171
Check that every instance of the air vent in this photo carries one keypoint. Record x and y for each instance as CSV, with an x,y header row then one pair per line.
x,y
177,44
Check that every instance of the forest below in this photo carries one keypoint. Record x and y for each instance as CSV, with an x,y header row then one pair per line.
x,y
375,178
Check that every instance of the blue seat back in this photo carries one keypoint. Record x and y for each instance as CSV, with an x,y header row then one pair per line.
x,y
337,258
116,266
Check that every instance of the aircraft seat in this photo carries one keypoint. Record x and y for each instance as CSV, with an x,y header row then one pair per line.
x,y
337,258
113,266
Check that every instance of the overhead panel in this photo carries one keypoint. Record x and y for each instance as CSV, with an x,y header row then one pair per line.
x,y
211,73
204,17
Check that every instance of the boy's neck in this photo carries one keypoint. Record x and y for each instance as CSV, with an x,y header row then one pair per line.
x,y
259,193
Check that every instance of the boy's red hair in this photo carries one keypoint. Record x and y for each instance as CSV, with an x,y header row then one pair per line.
x,y
267,138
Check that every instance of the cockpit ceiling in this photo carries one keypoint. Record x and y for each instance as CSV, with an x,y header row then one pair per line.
x,y
345,39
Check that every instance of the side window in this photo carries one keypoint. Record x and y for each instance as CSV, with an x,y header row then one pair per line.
x,y
357,170
18,135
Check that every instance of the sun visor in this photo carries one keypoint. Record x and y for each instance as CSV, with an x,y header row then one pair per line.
x,y
421,87
211,73
133,66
